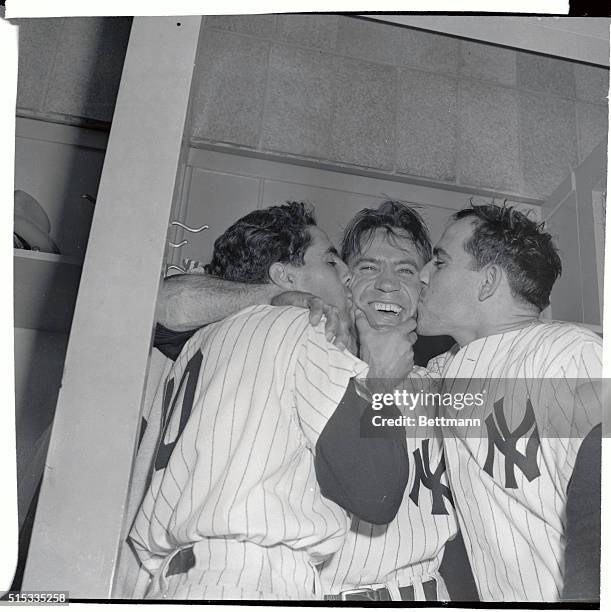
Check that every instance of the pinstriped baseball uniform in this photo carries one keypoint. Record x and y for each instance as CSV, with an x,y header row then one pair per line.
x,y
510,484
409,549
234,471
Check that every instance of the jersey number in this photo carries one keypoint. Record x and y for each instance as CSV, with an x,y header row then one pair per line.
x,y
170,399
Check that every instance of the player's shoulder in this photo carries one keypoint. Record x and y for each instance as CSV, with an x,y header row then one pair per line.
x,y
272,325
264,316
264,320
572,335
287,329
561,349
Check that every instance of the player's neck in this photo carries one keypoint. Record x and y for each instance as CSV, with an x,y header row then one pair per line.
x,y
517,321
498,323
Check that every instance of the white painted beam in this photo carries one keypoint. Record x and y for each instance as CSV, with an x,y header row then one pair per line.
x,y
79,520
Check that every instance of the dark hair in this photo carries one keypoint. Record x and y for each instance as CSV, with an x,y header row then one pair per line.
x,y
505,236
397,218
247,249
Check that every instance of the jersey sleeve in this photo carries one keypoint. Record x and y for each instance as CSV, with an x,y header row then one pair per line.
x,y
364,473
573,390
322,373
571,401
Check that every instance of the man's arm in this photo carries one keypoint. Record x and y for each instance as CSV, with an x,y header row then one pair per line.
x,y
361,467
360,470
190,301
187,302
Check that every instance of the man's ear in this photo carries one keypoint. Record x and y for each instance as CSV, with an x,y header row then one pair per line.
x,y
280,275
492,276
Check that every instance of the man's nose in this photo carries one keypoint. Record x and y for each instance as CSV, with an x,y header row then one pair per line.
x,y
425,274
344,273
387,281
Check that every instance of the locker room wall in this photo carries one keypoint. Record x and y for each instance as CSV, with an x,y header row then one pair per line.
x,y
55,164
310,87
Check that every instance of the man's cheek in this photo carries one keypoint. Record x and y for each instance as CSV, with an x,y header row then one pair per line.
x,y
357,291
413,293
413,310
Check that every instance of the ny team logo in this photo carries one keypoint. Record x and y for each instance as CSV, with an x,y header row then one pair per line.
x,y
430,479
505,441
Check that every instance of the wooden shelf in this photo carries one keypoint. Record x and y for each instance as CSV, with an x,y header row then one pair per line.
x,y
45,289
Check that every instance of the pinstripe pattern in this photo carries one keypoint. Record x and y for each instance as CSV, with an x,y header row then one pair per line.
x,y
409,549
180,588
240,480
515,536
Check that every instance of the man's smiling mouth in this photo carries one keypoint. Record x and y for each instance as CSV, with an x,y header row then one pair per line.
x,y
387,308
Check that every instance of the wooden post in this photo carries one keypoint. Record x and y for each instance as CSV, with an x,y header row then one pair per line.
x,y
80,512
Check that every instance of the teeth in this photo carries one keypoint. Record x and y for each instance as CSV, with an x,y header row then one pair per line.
x,y
384,307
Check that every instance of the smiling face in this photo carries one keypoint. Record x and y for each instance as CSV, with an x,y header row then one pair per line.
x,y
385,278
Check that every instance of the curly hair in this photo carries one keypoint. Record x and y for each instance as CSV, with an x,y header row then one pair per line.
x,y
397,218
247,249
505,236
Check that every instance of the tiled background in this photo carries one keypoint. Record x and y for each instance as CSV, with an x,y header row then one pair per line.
x,y
346,91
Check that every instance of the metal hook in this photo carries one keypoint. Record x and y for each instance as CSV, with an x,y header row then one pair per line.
x,y
194,230
173,267
175,246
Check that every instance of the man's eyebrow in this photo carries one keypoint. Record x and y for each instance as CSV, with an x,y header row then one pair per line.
x,y
332,251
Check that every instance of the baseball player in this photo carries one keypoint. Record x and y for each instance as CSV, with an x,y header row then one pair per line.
x,y
511,475
385,249
233,509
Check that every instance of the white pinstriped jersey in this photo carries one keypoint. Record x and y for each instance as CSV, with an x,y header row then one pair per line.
x,y
234,470
510,477
409,549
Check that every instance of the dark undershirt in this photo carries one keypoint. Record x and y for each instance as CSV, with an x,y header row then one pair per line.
x,y
582,552
362,468
170,342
